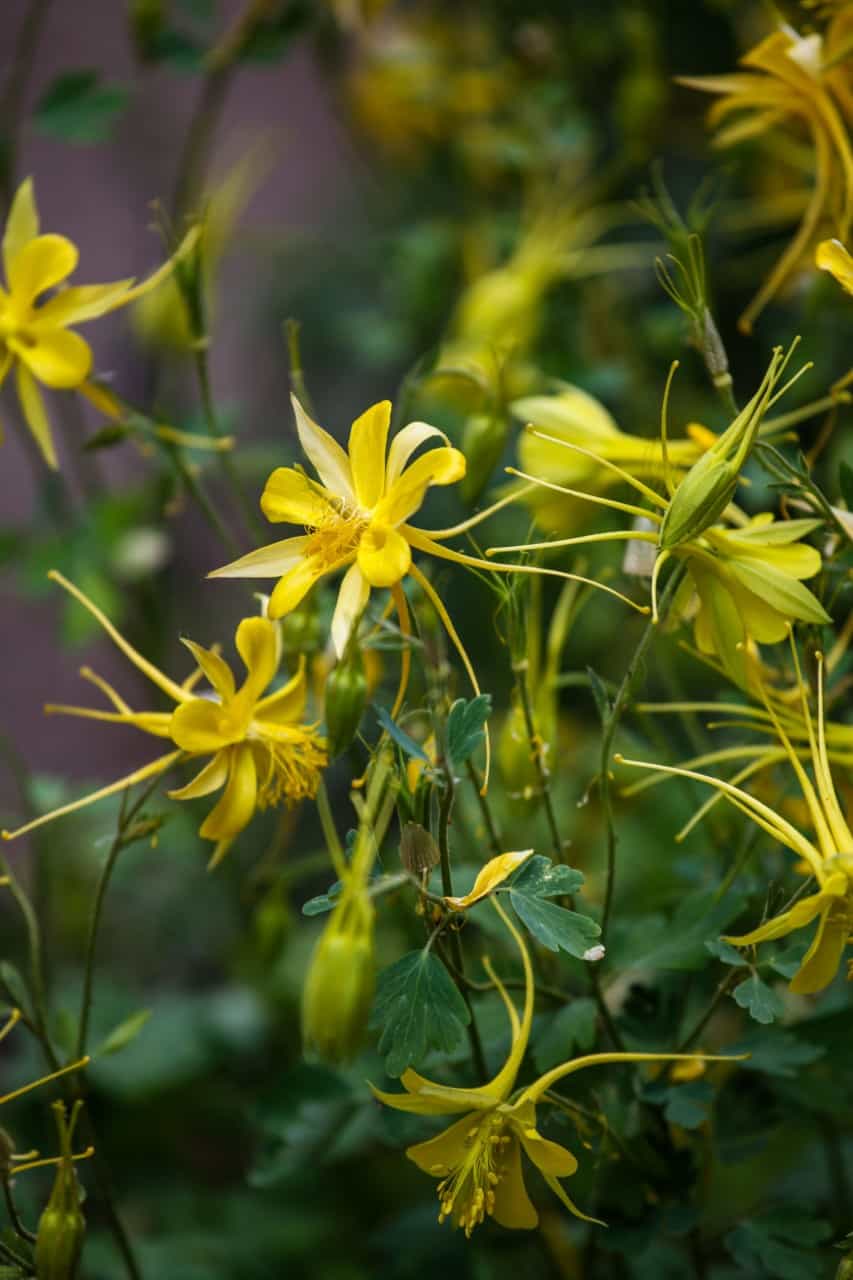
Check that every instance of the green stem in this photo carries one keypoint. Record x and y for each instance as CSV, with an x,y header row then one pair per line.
x,y
535,743
21,62
226,462
609,733
485,810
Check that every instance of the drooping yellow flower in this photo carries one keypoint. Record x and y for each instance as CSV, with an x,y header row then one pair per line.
x,y
828,856
262,753
794,83
35,335
478,1158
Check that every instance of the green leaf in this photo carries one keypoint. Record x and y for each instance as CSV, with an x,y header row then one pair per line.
x,y
466,727
406,744
599,693
678,943
417,1008
761,1002
777,1053
77,108
555,927
726,952
122,1035
270,40
572,1028
684,1104
14,983
780,1244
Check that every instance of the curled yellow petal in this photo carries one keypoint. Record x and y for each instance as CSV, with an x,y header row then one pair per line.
x,y
832,256
493,874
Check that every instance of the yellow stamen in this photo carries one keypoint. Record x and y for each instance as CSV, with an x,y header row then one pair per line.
x,y
54,1075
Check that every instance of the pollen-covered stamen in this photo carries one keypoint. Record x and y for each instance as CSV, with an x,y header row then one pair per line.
x,y
467,1192
289,766
337,536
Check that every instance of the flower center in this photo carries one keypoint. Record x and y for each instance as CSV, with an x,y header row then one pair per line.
x,y
337,537
288,770
467,1194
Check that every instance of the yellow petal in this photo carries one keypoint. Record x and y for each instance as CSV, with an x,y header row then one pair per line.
x,y
22,224
215,668
292,587
79,303
257,644
831,256
491,875
512,1206
287,703
353,595
326,455
404,444
35,413
384,555
367,444
270,561
197,726
549,1157
569,1203
210,778
821,961
405,496
444,1152
289,497
57,357
39,265
801,914
786,595
424,1098
234,810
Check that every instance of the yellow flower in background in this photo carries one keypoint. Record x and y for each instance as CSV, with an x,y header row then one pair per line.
x,y
572,437
832,256
800,84
261,751
478,1158
828,857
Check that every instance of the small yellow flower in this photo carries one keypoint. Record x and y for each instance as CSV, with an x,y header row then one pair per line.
x,y
832,256
478,1158
794,83
828,857
35,335
261,751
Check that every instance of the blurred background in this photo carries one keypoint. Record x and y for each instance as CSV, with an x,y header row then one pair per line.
x,y
364,166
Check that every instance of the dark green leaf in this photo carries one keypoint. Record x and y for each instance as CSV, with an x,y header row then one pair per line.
x,y
14,983
781,1245
572,1028
726,952
539,877
599,693
417,1008
466,727
77,108
106,438
124,1033
761,1002
777,1053
402,739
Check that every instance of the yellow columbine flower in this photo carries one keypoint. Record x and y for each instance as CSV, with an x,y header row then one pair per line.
x,y
356,519
34,334
794,82
261,751
478,1159
832,256
828,857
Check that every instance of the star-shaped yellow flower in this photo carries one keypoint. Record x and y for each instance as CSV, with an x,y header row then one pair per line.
x,y
35,333
261,751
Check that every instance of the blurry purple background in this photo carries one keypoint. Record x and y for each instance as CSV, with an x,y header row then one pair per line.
x,y
99,196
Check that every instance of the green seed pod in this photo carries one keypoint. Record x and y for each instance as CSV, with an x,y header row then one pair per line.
x,y
339,988
346,698
59,1240
483,443
301,631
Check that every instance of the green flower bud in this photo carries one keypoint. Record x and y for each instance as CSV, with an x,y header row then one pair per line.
x,y
339,988
710,484
346,698
483,443
59,1239
301,631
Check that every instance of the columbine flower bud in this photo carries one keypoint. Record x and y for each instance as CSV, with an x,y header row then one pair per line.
x,y
59,1240
301,631
339,988
346,698
710,484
